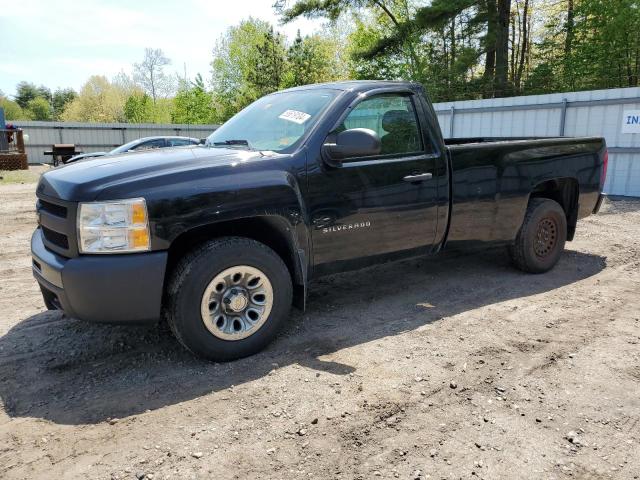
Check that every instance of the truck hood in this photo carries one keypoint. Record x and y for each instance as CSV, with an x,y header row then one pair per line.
x,y
83,181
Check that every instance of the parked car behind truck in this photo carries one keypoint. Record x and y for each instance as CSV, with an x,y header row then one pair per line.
x,y
220,239
145,143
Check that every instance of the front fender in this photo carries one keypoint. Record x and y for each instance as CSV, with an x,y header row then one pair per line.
x,y
268,200
260,194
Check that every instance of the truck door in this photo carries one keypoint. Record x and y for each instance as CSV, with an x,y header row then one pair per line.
x,y
384,205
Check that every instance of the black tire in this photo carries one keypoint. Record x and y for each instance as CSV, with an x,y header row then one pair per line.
x,y
196,271
541,239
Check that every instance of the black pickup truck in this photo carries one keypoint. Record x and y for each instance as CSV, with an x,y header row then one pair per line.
x,y
221,239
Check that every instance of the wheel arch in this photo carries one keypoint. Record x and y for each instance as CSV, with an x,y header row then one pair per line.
x,y
271,230
566,192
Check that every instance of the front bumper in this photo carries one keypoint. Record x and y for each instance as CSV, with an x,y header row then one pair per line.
x,y
123,288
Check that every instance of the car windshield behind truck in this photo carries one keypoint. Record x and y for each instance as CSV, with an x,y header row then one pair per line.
x,y
275,122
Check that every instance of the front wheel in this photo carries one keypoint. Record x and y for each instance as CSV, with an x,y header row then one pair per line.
x,y
541,239
228,298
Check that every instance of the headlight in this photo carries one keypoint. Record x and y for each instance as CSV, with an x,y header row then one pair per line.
x,y
113,227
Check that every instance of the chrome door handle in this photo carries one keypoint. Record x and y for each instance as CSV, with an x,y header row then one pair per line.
x,y
421,177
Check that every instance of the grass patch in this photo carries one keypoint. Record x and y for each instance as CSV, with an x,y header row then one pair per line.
x,y
22,176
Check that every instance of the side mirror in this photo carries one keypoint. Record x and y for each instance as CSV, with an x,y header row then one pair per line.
x,y
352,143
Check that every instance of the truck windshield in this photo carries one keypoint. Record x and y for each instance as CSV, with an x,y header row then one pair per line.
x,y
275,122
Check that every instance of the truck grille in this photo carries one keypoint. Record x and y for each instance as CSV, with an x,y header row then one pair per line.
x,y
57,210
56,238
57,219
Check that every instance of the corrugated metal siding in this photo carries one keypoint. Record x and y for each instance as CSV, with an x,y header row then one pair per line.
x,y
596,113
96,137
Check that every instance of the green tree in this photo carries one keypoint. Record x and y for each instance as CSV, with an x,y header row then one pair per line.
x,y
310,60
235,56
12,110
139,108
99,100
458,47
267,74
26,91
39,108
605,50
61,98
587,44
368,31
388,14
193,104
252,60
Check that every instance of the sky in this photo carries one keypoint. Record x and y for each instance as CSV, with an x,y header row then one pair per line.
x,y
60,43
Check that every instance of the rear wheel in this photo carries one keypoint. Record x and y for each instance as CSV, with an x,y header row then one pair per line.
x,y
228,298
542,237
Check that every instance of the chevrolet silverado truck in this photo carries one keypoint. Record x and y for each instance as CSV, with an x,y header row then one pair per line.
x,y
221,239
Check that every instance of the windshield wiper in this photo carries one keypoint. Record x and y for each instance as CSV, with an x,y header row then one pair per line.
x,y
233,142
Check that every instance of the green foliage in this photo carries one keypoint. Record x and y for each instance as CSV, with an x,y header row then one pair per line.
x,y
594,45
35,102
310,60
61,98
235,56
138,108
12,110
251,60
39,108
472,48
99,100
193,104
606,49
331,9
26,91
267,74
364,38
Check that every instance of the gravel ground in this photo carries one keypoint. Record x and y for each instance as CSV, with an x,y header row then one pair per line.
x,y
452,367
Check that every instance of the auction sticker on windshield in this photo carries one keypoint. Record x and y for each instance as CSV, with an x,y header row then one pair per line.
x,y
295,116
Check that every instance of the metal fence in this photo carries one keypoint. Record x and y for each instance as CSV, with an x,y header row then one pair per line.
x,y
96,137
611,114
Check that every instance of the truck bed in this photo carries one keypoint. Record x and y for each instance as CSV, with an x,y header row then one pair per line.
x,y
493,178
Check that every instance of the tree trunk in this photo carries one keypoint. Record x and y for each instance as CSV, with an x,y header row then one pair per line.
x,y
637,69
490,45
568,42
153,86
516,34
524,44
502,48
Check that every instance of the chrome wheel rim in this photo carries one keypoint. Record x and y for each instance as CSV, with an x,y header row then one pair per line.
x,y
546,237
237,303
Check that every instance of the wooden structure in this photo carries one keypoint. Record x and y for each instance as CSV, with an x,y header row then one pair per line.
x,y
12,152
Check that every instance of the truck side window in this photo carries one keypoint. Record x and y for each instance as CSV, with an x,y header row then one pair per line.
x,y
393,118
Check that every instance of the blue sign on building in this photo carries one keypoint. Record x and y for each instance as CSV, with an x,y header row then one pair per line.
x,y
631,121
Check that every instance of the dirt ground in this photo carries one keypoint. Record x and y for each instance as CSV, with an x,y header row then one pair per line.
x,y
451,367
